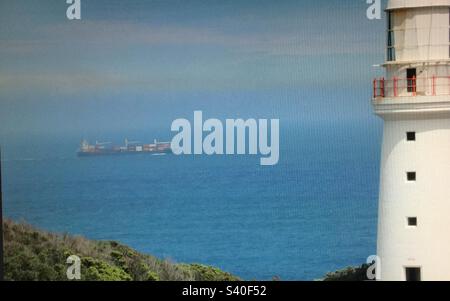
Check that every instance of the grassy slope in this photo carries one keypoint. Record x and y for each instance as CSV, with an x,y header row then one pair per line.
x,y
32,254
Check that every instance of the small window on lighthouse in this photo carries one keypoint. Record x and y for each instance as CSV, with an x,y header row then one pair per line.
x,y
411,176
411,136
412,221
413,274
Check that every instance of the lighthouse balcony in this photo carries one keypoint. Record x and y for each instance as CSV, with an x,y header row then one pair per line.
x,y
411,87
425,95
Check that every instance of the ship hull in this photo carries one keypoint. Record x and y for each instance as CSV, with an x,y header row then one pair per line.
x,y
119,153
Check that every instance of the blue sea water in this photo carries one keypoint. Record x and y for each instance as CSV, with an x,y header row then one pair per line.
x,y
312,213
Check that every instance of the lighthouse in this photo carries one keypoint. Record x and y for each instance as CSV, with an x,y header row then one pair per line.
x,y
413,99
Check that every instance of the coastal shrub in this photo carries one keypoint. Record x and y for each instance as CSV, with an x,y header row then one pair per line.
x,y
349,274
207,273
32,254
94,270
118,258
152,276
169,271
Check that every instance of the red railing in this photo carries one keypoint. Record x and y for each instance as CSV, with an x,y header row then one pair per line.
x,y
403,87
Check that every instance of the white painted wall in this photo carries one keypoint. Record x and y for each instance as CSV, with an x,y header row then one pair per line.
x,y
428,245
428,199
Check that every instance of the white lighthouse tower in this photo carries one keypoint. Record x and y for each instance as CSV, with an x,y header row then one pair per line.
x,y
414,101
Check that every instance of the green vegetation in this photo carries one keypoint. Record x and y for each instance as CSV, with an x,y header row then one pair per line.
x,y
32,254
207,273
348,274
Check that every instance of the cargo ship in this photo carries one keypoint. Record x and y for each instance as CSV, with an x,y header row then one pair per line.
x,y
130,147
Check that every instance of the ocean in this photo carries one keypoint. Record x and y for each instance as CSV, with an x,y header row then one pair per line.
x,y
314,212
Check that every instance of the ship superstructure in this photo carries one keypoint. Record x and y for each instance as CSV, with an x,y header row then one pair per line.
x,y
130,147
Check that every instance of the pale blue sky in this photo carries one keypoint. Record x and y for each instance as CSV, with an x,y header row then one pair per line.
x,y
136,64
